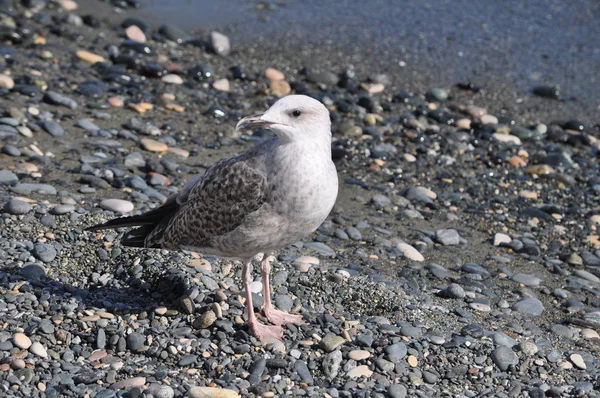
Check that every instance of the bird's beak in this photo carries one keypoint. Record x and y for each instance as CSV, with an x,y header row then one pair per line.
x,y
253,122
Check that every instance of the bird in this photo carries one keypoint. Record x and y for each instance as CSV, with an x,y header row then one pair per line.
x,y
262,200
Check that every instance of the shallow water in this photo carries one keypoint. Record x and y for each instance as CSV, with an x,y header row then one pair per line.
x,y
527,42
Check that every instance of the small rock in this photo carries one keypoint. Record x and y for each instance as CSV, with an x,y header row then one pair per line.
x,y
116,205
359,371
577,360
211,392
17,207
22,341
500,239
205,320
172,78
38,349
331,342
153,145
6,81
89,57
220,43
447,237
529,306
410,252
134,33
129,383
503,357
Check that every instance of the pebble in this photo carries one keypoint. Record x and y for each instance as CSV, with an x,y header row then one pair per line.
x,y
220,44
6,81
116,205
38,349
89,57
274,74
501,239
211,392
447,237
503,357
53,128
359,371
410,252
134,33
153,145
280,88
529,306
129,383
577,360
528,347
331,342
160,391
16,206
172,79
359,355
44,252
54,98
8,178
21,341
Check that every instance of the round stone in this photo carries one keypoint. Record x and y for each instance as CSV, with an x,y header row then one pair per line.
x,y
116,205
21,341
38,349
503,357
17,207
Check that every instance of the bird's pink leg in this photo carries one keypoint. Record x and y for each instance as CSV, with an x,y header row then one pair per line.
x,y
263,332
275,316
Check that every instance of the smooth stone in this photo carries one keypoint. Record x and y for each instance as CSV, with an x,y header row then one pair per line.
x,y
528,347
577,360
116,205
397,391
129,383
54,98
8,178
17,207
44,252
331,364
587,275
500,239
526,279
410,252
447,237
38,349
454,291
33,271
62,209
503,357
331,342
211,392
220,43
53,128
359,355
529,306
22,341
359,371
160,391
396,352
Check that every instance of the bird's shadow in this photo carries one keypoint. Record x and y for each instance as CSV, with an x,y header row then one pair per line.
x,y
123,300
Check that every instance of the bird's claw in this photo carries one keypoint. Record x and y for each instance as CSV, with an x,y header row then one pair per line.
x,y
278,317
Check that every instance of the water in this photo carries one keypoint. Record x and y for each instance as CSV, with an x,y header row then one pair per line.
x,y
519,43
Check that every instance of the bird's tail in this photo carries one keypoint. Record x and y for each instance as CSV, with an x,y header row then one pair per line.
x,y
146,222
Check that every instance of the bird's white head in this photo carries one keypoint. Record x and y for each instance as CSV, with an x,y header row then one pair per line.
x,y
293,118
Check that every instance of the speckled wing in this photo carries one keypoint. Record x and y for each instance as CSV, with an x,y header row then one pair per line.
x,y
213,205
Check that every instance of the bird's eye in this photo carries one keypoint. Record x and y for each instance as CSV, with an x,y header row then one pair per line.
x,y
296,113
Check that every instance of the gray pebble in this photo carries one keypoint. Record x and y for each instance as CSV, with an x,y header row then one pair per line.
x,y
503,357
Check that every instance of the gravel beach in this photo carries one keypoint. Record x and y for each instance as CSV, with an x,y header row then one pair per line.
x,y
462,258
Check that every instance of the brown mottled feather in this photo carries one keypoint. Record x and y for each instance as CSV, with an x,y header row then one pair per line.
x,y
210,205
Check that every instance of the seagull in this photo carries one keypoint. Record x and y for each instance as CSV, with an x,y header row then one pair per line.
x,y
260,201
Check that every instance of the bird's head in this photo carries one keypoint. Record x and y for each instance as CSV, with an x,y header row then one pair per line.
x,y
292,118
